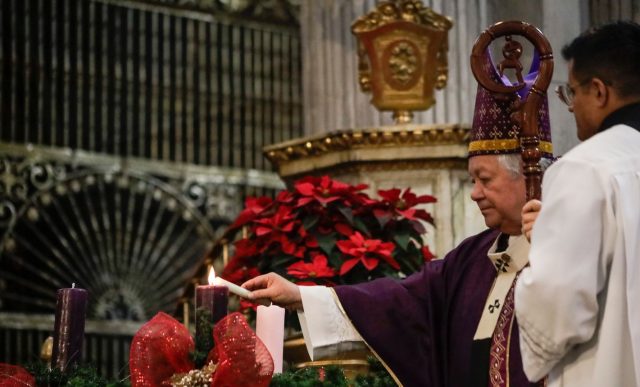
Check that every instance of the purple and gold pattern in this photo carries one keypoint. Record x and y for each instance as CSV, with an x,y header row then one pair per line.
x,y
493,131
499,354
500,344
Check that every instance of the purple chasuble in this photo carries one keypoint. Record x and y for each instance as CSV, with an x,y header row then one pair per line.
x,y
422,327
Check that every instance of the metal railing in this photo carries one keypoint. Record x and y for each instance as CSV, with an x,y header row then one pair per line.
x,y
134,80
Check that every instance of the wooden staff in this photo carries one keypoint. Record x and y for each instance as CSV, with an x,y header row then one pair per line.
x,y
525,114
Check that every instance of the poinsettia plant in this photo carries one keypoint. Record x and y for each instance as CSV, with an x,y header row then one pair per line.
x,y
327,232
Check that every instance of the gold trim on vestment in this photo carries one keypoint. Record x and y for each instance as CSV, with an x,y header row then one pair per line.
x,y
505,144
508,359
505,341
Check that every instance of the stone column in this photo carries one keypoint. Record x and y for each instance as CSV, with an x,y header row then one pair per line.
x,y
560,21
604,11
563,21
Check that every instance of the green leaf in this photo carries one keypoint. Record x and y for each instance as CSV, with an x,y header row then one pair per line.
x,y
360,226
402,239
335,259
281,261
377,376
347,213
327,242
310,221
310,377
408,264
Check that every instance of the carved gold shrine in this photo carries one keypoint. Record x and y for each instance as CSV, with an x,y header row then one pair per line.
x,y
402,56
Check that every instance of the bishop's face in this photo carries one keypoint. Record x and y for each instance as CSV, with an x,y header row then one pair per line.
x,y
499,194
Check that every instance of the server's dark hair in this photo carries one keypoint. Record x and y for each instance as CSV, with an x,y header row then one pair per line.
x,y
611,53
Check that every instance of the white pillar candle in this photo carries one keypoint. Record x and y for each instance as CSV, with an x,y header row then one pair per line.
x,y
237,290
233,288
270,329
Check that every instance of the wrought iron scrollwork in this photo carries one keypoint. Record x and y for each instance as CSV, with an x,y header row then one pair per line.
x,y
130,235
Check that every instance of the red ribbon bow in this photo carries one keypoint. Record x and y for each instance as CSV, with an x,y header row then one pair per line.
x,y
161,349
15,376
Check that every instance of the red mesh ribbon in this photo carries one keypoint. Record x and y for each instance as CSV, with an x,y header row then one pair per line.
x,y
159,349
243,359
15,376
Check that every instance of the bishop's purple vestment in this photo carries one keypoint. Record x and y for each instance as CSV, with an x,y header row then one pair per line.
x,y
423,327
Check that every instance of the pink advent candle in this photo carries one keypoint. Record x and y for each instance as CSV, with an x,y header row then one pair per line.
x,y
211,306
68,331
270,329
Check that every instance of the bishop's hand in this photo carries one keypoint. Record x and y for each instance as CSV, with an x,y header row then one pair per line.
x,y
276,289
530,213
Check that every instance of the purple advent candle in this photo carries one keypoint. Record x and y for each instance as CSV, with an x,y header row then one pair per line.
x,y
214,299
68,333
211,306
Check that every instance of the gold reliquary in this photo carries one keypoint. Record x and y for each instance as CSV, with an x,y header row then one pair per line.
x,y
402,56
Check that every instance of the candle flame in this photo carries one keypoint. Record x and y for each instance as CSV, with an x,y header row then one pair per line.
x,y
212,275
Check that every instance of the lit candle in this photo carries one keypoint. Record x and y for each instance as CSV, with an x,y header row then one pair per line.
x,y
211,306
270,329
68,333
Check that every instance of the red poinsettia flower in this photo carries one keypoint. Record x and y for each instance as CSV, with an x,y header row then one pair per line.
x,y
294,233
367,251
403,204
424,215
238,273
286,197
311,283
275,229
308,239
253,208
344,229
245,248
317,268
240,268
427,255
407,200
246,304
282,221
323,190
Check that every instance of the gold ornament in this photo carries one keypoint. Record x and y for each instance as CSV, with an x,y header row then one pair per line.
x,y
402,56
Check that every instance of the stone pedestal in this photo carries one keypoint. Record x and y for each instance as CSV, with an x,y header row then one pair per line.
x,y
431,159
